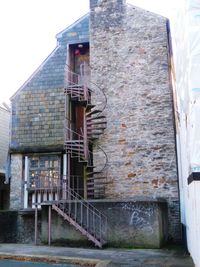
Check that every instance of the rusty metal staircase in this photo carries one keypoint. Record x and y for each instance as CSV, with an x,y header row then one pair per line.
x,y
83,216
80,146
74,209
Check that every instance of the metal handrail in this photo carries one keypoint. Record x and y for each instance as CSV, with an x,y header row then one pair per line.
x,y
73,79
81,138
69,206
101,90
83,77
71,134
94,222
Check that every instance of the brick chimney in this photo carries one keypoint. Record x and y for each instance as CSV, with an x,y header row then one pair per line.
x,y
107,13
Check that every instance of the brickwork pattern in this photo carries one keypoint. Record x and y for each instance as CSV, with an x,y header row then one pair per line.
x,y
129,59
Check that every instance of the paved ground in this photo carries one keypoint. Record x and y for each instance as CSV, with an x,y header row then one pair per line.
x,y
14,263
116,257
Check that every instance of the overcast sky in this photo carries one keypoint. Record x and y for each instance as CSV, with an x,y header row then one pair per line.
x,y
28,29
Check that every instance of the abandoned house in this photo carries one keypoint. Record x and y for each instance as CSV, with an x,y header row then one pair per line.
x,y
92,138
4,144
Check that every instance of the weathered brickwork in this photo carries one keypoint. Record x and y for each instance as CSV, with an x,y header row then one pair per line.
x,y
129,59
38,107
16,184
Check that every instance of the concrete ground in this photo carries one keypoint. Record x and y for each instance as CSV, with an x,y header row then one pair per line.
x,y
104,257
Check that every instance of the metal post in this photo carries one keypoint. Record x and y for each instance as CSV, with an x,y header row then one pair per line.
x,y
36,224
49,225
85,136
84,81
84,183
81,203
65,176
26,184
68,175
87,217
86,153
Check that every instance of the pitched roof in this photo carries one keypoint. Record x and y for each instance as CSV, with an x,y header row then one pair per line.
x,y
50,74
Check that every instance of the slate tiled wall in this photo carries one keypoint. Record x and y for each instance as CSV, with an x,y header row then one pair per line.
x,y
38,107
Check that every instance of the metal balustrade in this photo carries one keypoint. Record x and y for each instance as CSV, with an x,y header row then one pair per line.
x,y
63,196
76,210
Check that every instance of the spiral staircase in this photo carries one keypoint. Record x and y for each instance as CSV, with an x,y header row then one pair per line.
x,y
79,144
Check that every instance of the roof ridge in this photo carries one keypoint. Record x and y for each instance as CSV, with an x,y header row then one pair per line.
x,y
59,35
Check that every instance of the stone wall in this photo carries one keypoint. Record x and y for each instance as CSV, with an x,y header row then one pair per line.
x,y
8,226
129,59
16,185
16,227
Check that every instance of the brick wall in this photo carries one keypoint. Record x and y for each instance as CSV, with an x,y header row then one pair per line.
x,y
129,59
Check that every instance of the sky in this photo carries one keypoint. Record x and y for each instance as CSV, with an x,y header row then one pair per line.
x,y
28,29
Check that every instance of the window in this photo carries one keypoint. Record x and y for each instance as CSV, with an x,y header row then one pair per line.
x,y
44,171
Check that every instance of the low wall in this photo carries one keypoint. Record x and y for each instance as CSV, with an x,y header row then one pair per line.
x,y
18,227
130,224
8,226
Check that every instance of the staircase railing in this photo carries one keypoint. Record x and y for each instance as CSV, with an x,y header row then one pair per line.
x,y
80,144
80,138
78,211
76,85
75,144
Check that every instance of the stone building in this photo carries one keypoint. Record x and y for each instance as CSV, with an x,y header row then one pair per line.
x,y
93,135
4,143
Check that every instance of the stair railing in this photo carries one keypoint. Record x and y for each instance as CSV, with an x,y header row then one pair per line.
x,y
83,212
72,137
70,133
82,80
76,85
88,69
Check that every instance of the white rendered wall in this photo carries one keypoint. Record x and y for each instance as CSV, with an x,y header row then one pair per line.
x,y
186,44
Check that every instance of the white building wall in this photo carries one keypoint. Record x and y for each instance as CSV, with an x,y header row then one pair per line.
x,y
186,46
4,137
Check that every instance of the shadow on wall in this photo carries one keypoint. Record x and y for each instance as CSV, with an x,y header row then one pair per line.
x,y
4,194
